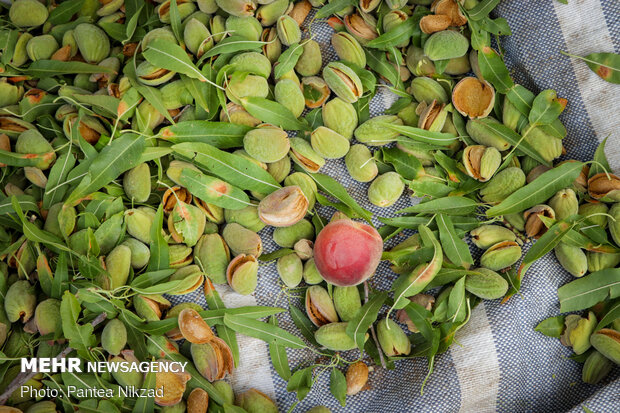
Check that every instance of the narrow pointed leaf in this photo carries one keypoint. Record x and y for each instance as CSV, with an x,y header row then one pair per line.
x,y
222,135
454,247
539,190
586,291
233,168
363,319
266,332
273,112
213,190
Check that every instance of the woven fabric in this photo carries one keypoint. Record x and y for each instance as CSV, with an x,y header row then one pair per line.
x,y
499,363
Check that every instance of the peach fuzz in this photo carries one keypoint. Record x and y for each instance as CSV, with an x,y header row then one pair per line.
x,y
347,253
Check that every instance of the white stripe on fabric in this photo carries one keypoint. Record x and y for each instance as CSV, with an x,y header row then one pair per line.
x,y
475,360
253,371
584,30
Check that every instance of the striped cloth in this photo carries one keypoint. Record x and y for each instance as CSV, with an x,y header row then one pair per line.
x,y
500,363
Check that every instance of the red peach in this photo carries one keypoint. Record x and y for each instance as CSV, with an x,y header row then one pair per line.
x,y
347,253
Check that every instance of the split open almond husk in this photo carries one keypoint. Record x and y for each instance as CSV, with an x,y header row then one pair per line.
x,y
451,9
473,98
172,385
193,328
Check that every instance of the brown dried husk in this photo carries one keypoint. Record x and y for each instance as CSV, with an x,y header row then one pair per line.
x,y
473,97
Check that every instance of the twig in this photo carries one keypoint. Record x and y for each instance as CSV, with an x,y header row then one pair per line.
x,y
23,377
372,329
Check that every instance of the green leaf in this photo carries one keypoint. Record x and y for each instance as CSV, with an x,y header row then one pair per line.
x,y
117,157
35,234
601,163
363,319
146,404
25,159
420,317
230,167
405,222
108,104
521,98
272,112
175,21
482,9
552,326
304,324
422,135
605,65
431,189
64,12
54,191
494,70
454,247
26,202
543,245
301,382
546,108
378,62
451,205
266,332
407,165
275,255
80,337
168,55
151,94
49,68
204,95
130,28
332,7
213,190
61,277
456,302
410,284
232,44
148,279
333,188
539,190
512,138
589,290
115,30
497,26
135,338
279,359
288,60
338,386
160,258
222,135
394,37
612,314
